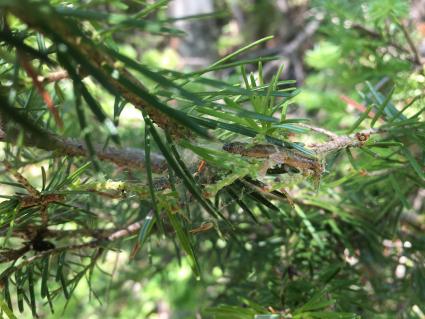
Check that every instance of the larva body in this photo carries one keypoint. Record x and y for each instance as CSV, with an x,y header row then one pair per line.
x,y
277,155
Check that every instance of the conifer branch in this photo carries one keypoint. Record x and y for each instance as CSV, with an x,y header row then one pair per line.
x,y
354,140
132,158
40,19
127,231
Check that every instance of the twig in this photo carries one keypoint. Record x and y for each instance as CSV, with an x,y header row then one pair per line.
x,y
302,36
132,158
127,157
104,236
54,76
21,180
319,130
411,44
28,232
354,140
358,106
40,89
119,234
376,35
35,198
295,44
292,47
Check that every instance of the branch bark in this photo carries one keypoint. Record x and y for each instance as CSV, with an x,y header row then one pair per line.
x,y
354,140
320,130
132,158
55,76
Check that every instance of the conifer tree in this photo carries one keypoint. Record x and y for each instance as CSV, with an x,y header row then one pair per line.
x,y
105,155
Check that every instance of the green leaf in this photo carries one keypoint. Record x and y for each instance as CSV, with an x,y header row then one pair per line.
x,y
8,206
60,275
14,41
4,307
398,192
415,165
177,115
360,119
44,277
225,66
230,312
328,315
43,178
351,159
260,199
156,77
187,179
241,50
385,104
150,8
19,290
214,124
83,123
381,107
57,175
148,223
148,166
309,226
41,43
118,20
241,203
184,239
318,301
16,115
291,128
253,92
30,271
6,294
11,226
202,16
91,102
73,177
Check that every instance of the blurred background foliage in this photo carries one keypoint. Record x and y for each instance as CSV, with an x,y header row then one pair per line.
x,y
353,248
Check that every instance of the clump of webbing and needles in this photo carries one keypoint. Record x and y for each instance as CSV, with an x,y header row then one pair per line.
x,y
268,150
275,157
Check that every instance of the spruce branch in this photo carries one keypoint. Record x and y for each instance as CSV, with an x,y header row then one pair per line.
x,y
103,237
340,142
99,242
131,158
98,60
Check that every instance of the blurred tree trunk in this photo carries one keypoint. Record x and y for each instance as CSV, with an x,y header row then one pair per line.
x,y
418,15
198,47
